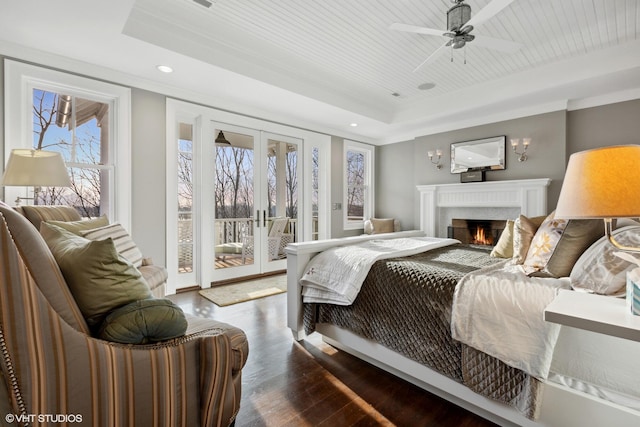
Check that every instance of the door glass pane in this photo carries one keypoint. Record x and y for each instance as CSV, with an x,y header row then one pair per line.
x,y
185,198
282,193
315,186
234,201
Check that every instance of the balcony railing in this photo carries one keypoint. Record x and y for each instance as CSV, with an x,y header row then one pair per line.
x,y
226,230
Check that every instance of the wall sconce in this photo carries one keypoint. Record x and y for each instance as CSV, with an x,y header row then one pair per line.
x,y
438,153
525,144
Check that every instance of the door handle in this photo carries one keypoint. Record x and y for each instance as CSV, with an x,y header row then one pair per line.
x,y
258,218
264,218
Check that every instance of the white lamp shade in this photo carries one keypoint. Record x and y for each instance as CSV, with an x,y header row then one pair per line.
x,y
602,183
35,168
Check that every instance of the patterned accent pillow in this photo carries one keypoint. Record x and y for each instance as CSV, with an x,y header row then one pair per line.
x,y
523,231
599,271
504,247
123,242
544,244
558,244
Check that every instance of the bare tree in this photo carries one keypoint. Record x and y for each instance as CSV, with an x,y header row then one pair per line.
x,y
185,180
85,190
355,184
43,116
271,182
292,184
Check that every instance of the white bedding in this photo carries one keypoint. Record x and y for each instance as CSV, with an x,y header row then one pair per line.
x,y
335,276
499,310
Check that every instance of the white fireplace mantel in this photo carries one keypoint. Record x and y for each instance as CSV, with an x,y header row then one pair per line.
x,y
529,195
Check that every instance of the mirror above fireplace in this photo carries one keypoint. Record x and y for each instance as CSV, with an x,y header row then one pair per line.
x,y
480,154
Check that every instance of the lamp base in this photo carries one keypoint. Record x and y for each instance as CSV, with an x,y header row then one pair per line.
x,y
20,198
608,231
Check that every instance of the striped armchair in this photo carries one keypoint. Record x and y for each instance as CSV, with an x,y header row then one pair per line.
x,y
50,363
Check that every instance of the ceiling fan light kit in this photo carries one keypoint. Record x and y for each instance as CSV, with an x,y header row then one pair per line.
x,y
459,26
458,15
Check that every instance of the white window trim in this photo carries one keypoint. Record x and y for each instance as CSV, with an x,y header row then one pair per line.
x,y
21,78
369,158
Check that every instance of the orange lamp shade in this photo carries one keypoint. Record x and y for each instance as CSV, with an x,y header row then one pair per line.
x,y
601,183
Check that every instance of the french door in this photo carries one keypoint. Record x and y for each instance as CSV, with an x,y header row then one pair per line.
x,y
236,194
254,192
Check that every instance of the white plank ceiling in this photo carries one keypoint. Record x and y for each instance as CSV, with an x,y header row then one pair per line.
x,y
351,40
342,56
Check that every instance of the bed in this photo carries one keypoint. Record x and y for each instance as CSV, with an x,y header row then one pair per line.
x,y
565,397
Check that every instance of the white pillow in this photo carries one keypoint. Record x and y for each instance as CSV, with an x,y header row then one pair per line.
x,y
599,271
368,227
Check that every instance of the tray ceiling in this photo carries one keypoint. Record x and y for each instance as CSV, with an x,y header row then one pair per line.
x,y
332,62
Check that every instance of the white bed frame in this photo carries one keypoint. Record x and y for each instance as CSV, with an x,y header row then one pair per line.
x,y
561,406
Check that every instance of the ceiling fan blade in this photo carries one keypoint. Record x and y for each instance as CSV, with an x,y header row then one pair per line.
x,y
415,29
502,45
433,56
466,29
488,11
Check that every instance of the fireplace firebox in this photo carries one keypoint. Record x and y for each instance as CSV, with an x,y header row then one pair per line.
x,y
476,231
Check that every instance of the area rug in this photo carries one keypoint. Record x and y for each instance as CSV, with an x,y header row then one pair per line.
x,y
246,291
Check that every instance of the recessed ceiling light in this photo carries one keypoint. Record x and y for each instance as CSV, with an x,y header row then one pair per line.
x,y
353,125
426,86
165,68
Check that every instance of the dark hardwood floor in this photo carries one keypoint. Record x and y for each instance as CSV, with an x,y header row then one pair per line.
x,y
286,383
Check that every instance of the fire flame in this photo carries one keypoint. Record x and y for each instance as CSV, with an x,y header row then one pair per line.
x,y
481,239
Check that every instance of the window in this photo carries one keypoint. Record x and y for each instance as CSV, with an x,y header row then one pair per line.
x,y
74,127
185,198
358,188
87,122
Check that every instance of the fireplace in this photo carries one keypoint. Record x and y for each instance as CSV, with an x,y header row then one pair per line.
x,y
476,231
440,203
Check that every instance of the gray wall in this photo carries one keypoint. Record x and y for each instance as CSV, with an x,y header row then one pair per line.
x,y
612,124
547,159
404,165
148,174
395,188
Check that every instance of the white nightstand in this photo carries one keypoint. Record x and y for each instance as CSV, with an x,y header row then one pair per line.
x,y
597,313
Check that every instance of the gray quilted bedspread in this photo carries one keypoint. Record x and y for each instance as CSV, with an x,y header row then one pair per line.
x,y
405,305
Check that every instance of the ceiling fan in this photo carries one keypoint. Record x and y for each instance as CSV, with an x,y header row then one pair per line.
x,y
459,27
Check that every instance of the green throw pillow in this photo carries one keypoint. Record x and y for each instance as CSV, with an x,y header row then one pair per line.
x,y
77,226
99,278
143,322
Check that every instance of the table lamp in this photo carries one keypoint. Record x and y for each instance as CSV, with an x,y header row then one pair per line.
x,y
35,168
602,183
